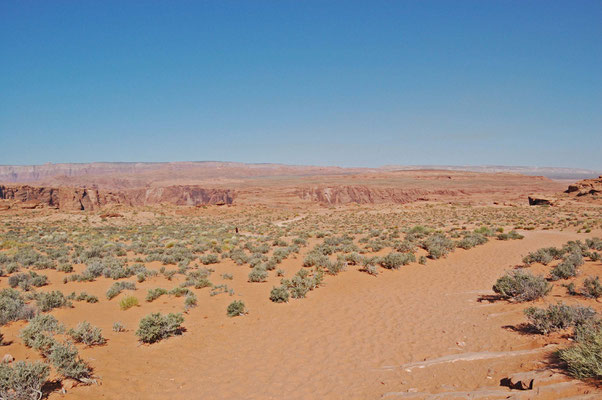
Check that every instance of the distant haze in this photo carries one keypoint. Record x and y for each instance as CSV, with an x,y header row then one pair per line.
x,y
79,173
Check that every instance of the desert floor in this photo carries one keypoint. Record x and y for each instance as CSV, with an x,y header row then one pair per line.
x,y
422,331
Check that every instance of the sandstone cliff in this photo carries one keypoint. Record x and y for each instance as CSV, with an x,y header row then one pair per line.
x,y
370,195
75,199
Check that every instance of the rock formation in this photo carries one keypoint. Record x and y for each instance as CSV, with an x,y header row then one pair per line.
x,y
369,195
586,187
76,199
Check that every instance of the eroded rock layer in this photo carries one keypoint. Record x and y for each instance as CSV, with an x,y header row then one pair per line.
x,y
75,199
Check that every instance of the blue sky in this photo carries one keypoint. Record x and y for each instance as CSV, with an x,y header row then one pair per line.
x,y
302,82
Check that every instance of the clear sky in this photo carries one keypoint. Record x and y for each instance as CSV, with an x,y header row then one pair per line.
x,y
302,82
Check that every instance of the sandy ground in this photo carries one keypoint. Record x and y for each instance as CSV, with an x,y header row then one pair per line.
x,y
404,334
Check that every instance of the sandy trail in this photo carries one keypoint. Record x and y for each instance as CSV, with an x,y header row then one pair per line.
x,y
335,343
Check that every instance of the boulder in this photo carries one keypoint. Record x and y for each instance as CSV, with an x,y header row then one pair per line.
x,y
539,201
526,380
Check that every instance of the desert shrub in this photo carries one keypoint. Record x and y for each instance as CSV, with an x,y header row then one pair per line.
x,y
49,300
352,258
279,294
543,256
396,260
485,231
87,333
418,232
209,259
26,280
154,294
227,276
557,316
592,287
258,274
236,308
13,307
471,240
302,282
118,287
155,327
521,286
67,268
512,235
333,268
370,269
405,246
594,243
190,300
128,302
118,327
179,291
584,358
438,245
315,259
422,260
88,298
65,358
22,380
568,267
38,333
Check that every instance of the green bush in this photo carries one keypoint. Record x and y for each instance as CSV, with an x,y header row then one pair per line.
x,y
557,316
154,294
65,358
26,280
38,333
594,243
396,260
512,235
209,259
118,287
155,327
190,300
584,358
471,240
128,302
543,256
592,287
568,267
521,286
236,308
50,300
118,327
302,282
13,307
23,380
87,333
258,274
438,245
279,294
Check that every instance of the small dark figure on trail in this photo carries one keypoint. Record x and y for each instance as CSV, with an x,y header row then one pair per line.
x,y
237,229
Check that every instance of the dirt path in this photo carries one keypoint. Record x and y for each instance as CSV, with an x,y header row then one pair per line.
x,y
347,340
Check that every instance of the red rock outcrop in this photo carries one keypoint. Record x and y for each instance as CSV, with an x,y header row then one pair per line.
x,y
586,186
76,199
369,195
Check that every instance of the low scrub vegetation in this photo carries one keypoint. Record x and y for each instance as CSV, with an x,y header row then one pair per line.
x,y
236,308
558,316
155,327
23,380
520,286
584,358
87,333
